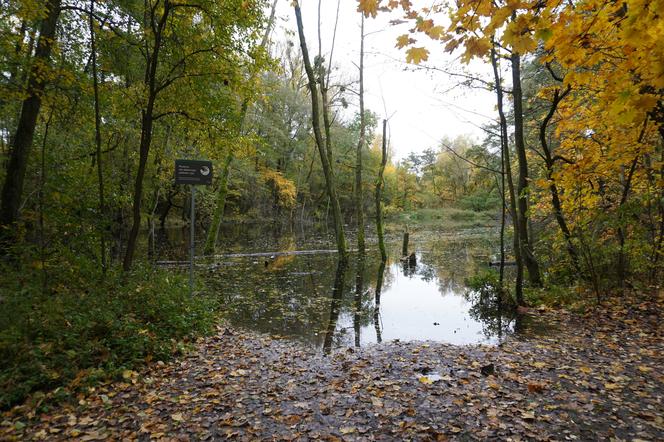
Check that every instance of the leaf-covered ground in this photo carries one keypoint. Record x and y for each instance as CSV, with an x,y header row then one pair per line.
x,y
598,376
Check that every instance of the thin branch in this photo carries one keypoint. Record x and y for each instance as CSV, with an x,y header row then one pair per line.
x,y
472,163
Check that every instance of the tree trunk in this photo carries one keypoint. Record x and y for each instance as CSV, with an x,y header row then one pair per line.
x,y
215,226
222,192
379,190
100,175
147,121
510,181
12,190
522,200
320,143
359,198
553,189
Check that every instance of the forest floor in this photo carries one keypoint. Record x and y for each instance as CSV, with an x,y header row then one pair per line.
x,y
596,376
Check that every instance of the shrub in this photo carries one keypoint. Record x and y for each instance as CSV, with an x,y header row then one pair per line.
x,y
85,326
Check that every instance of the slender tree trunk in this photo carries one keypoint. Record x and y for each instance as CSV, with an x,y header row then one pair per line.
x,y
359,197
100,176
42,223
503,206
335,307
622,258
553,189
522,191
379,191
147,121
222,192
359,290
376,313
215,226
320,143
510,181
12,190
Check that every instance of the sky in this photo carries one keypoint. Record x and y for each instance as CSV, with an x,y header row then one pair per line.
x,y
422,105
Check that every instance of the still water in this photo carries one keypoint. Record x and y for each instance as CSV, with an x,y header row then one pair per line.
x,y
267,284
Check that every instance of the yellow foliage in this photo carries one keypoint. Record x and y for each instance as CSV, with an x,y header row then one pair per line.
x,y
285,188
417,55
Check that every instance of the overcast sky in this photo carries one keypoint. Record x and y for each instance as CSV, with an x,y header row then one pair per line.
x,y
423,105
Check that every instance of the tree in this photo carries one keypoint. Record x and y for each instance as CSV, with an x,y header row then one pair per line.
x,y
209,30
323,144
12,189
359,199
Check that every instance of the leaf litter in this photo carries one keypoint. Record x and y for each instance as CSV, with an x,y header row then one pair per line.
x,y
598,377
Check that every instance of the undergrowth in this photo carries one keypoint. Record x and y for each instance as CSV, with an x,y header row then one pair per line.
x,y
84,327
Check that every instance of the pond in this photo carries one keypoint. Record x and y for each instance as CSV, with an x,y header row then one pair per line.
x,y
288,283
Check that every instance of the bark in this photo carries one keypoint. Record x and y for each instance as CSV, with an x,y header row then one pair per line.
x,y
323,145
147,122
553,189
522,201
359,197
215,226
503,205
379,189
510,180
622,258
12,190
100,175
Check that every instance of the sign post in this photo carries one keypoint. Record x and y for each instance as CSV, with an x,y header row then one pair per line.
x,y
193,172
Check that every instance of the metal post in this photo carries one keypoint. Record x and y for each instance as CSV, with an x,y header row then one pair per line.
x,y
192,246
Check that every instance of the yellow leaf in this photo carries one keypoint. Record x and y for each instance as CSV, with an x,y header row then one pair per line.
x,y
404,40
435,32
417,55
368,7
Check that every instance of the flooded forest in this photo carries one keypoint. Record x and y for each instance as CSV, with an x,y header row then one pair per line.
x,y
299,220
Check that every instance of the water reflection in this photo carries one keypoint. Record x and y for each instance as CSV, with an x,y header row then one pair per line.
x,y
335,305
306,297
376,310
494,310
359,291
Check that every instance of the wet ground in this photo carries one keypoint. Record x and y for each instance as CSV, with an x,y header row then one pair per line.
x,y
598,378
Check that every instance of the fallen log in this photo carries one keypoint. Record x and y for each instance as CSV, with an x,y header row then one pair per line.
x,y
497,263
252,255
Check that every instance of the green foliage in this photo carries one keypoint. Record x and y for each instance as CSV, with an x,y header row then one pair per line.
x,y
554,296
480,201
86,326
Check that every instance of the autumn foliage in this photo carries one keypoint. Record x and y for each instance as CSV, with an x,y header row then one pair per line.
x,y
603,136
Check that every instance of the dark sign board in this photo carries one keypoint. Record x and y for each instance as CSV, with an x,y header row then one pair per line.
x,y
193,172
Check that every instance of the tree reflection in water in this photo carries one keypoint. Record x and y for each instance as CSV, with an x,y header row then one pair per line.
x,y
335,306
376,311
359,291
491,306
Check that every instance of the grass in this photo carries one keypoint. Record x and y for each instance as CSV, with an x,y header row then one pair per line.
x,y
445,218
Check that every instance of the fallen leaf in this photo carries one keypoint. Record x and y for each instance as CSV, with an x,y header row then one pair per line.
x,y
177,417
